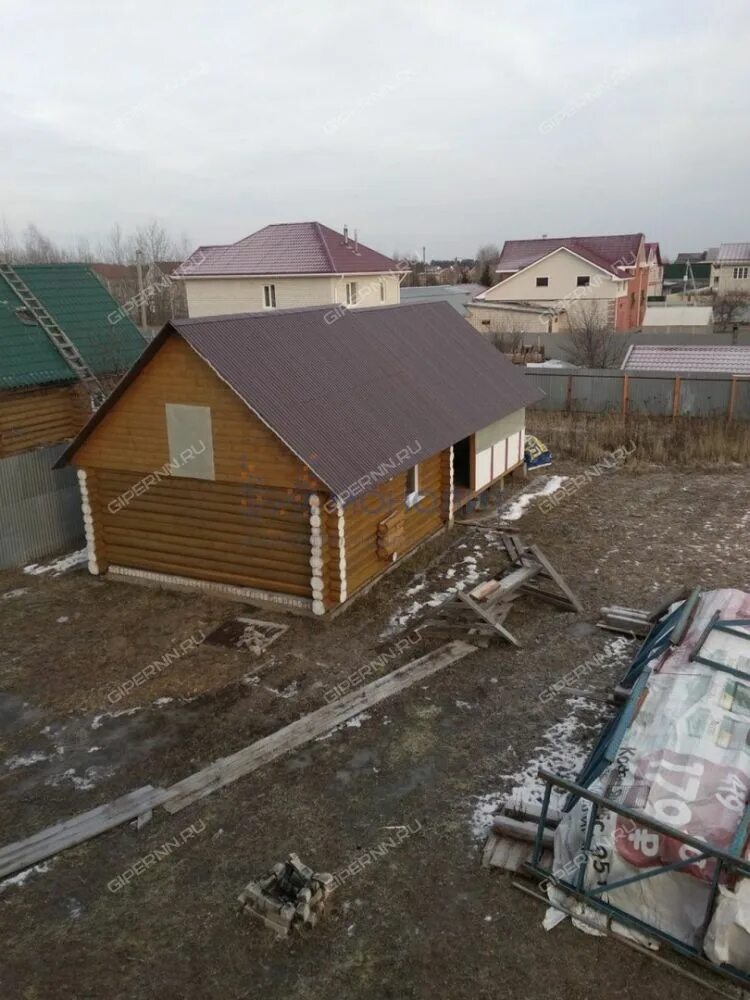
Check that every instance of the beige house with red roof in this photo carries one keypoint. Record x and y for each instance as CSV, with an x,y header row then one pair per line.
x,y
289,266
543,283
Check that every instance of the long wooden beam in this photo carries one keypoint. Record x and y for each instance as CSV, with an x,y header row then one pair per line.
x,y
85,826
54,839
222,772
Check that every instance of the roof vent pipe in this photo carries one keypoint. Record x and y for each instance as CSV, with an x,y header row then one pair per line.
x,y
356,242
346,235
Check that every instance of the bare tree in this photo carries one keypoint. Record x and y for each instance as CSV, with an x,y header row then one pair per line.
x,y
118,249
36,248
592,341
155,242
8,244
487,258
728,307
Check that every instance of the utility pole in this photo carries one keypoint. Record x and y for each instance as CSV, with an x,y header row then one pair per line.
x,y
141,296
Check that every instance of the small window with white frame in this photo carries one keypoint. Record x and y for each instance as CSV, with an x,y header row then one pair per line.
x,y
411,491
382,290
351,293
740,272
269,296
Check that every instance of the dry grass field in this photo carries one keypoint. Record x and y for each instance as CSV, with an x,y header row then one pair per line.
x,y
423,920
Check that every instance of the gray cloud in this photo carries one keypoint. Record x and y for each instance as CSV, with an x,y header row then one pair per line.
x,y
416,123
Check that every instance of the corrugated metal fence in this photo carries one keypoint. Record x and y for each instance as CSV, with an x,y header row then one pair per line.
x,y
40,510
588,390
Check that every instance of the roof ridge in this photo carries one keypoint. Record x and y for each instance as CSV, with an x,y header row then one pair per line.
x,y
319,231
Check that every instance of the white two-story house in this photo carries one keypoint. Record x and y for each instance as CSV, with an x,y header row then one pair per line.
x,y
730,270
288,266
543,282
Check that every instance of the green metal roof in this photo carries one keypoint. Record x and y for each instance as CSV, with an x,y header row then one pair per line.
x,y
77,300
676,272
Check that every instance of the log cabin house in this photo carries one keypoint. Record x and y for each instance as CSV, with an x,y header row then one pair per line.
x,y
57,351
290,458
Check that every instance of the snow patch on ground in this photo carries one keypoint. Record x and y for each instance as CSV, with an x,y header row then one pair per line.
x,y
354,723
290,691
59,566
20,878
98,721
18,592
84,783
35,757
470,574
563,750
542,488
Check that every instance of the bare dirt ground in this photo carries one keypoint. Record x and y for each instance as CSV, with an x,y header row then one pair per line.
x,y
424,920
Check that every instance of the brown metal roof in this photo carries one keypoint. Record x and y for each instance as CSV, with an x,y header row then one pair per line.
x,y
612,253
347,390
288,248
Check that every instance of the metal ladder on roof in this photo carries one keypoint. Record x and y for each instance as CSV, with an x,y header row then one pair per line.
x,y
55,333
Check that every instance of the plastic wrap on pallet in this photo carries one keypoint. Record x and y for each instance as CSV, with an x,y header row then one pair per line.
x,y
682,756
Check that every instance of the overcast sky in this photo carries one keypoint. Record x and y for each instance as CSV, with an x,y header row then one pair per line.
x,y
422,122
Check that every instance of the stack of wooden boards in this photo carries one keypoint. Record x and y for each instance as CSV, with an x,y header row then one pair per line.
x,y
480,613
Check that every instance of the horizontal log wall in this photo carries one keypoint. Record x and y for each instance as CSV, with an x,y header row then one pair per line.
x,y
363,515
221,532
132,437
36,418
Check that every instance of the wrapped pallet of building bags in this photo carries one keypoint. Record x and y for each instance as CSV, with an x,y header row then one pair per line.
x,y
683,759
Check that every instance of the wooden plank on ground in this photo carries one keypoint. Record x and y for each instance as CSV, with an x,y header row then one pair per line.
x,y
514,580
54,839
488,618
545,595
228,769
555,576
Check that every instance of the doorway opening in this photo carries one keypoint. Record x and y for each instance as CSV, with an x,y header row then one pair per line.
x,y
462,464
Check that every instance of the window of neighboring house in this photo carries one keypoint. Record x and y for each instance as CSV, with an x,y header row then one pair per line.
x,y
382,290
716,280
740,272
583,281
412,494
269,296
351,293
542,282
